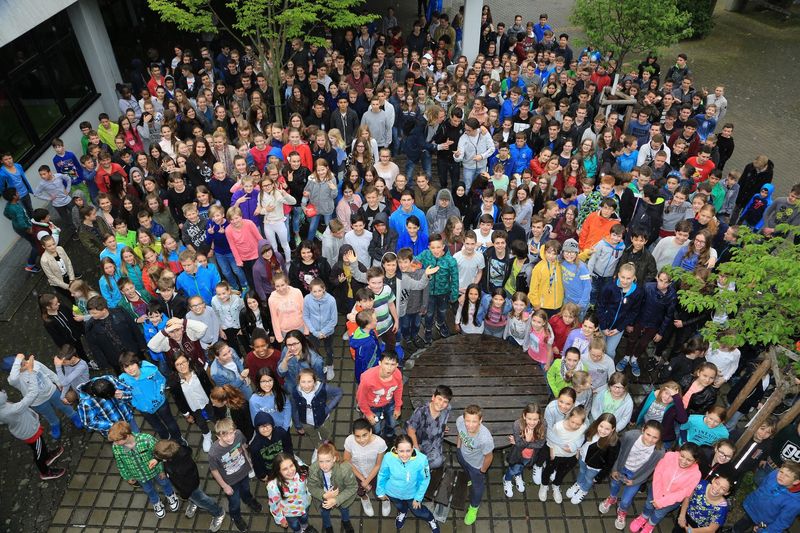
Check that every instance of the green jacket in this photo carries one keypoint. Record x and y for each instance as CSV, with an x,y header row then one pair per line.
x,y
19,219
342,478
445,281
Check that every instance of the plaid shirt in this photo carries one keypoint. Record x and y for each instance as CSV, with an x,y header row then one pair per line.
x,y
100,414
132,464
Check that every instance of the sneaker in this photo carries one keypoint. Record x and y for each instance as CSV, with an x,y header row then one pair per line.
x,y
93,365
637,523
310,529
386,507
347,527
443,331
345,336
173,503
472,514
158,508
419,343
216,523
434,526
543,493
329,373
619,523
428,337
606,504
400,520
366,504
623,364
537,475
191,509
240,524
55,455
33,269
76,421
508,488
578,497
635,370
255,506
557,494
206,442
520,484
572,490
53,473
408,365
327,529
647,528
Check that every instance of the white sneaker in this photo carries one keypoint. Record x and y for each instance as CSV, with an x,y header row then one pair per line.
x,y
537,475
216,523
191,509
557,494
572,490
174,503
207,442
367,506
508,489
93,365
329,374
158,508
520,484
386,507
578,497
543,493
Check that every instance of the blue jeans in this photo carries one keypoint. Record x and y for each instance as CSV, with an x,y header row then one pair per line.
x,y
409,326
653,515
477,479
437,308
425,160
313,224
598,282
164,423
149,488
241,492
628,492
296,523
297,215
34,253
326,515
205,502
517,469
586,476
405,506
612,342
386,422
48,409
469,176
230,270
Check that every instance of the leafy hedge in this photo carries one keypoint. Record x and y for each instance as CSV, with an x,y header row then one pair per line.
x,y
701,12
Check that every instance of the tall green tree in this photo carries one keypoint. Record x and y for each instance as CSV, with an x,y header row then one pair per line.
x,y
267,25
625,26
765,304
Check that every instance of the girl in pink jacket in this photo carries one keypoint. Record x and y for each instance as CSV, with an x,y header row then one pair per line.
x,y
675,478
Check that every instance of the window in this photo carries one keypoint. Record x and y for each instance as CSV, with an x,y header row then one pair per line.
x,y
47,86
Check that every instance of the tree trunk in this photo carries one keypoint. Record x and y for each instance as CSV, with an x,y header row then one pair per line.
x,y
774,401
788,417
762,369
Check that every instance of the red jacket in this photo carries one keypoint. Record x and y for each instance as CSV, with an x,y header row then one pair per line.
x,y
102,177
306,159
372,392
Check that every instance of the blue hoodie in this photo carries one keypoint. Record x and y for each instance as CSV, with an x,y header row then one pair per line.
x,y
658,307
150,331
320,314
367,348
148,389
753,213
772,504
616,310
203,283
577,282
403,481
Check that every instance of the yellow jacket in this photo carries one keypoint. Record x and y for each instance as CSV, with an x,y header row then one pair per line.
x,y
547,287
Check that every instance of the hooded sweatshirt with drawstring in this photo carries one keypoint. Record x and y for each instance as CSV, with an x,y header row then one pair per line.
x,y
437,215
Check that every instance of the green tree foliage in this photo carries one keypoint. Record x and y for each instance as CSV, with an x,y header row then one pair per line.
x,y
625,26
701,12
765,305
268,25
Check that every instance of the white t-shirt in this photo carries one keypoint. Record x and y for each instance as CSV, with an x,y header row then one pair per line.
x,y
468,267
364,457
483,242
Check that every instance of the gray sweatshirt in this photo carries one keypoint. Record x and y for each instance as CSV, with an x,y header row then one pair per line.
x,y
42,381
22,421
71,377
321,195
380,126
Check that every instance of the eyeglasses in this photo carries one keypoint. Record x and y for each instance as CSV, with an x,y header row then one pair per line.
x,y
725,455
292,344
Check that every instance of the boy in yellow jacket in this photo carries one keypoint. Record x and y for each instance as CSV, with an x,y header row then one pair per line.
x,y
547,287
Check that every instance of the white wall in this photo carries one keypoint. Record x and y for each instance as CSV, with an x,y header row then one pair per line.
x,y
72,140
20,16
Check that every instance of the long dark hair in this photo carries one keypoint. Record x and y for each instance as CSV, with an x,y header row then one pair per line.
x,y
611,439
296,334
277,389
464,318
275,473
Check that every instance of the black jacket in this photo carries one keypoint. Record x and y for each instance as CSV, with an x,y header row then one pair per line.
x,y
701,401
247,320
447,132
182,472
346,126
174,384
751,181
62,328
176,307
129,338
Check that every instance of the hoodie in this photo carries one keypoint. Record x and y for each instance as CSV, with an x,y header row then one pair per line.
x,y
437,216
22,421
671,483
403,481
367,348
605,257
263,450
577,281
148,389
42,381
262,272
382,242
751,182
321,195
331,245
773,504
319,314
753,212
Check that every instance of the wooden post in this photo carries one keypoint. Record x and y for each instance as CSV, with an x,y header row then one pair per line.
x,y
788,416
774,400
762,369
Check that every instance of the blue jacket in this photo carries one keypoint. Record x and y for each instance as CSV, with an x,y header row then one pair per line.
x,y
7,179
110,291
203,283
753,212
398,220
320,315
772,504
148,389
658,308
150,331
509,109
324,401
616,310
367,348
404,241
577,282
403,481
486,301
521,158
314,362
224,376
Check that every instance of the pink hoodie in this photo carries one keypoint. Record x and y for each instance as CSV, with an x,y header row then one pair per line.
x,y
671,483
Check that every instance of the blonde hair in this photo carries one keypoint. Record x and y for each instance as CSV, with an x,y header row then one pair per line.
x,y
224,425
335,137
581,380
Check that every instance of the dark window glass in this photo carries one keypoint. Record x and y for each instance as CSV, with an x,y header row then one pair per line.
x,y
12,135
36,94
69,74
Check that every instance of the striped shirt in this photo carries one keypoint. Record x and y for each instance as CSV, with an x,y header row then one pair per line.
x,y
381,306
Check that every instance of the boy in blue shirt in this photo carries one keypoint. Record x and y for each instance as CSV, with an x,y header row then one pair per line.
x,y
365,343
319,315
196,281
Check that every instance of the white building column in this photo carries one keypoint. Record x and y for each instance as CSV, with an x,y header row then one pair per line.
x,y
90,30
471,35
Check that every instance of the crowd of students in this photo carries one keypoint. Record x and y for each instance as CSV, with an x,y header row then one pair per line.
x,y
229,245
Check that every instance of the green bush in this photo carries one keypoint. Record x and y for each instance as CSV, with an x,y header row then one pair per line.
x,y
700,12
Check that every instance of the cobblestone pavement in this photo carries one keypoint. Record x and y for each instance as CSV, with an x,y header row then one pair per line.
x,y
752,54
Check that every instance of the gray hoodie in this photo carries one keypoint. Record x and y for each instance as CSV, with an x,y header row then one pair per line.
x,y
437,215
330,246
41,381
321,195
22,421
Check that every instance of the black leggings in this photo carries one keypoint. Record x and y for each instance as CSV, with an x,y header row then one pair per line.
x,y
559,465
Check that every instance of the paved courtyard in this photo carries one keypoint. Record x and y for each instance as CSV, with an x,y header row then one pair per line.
x,y
753,55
